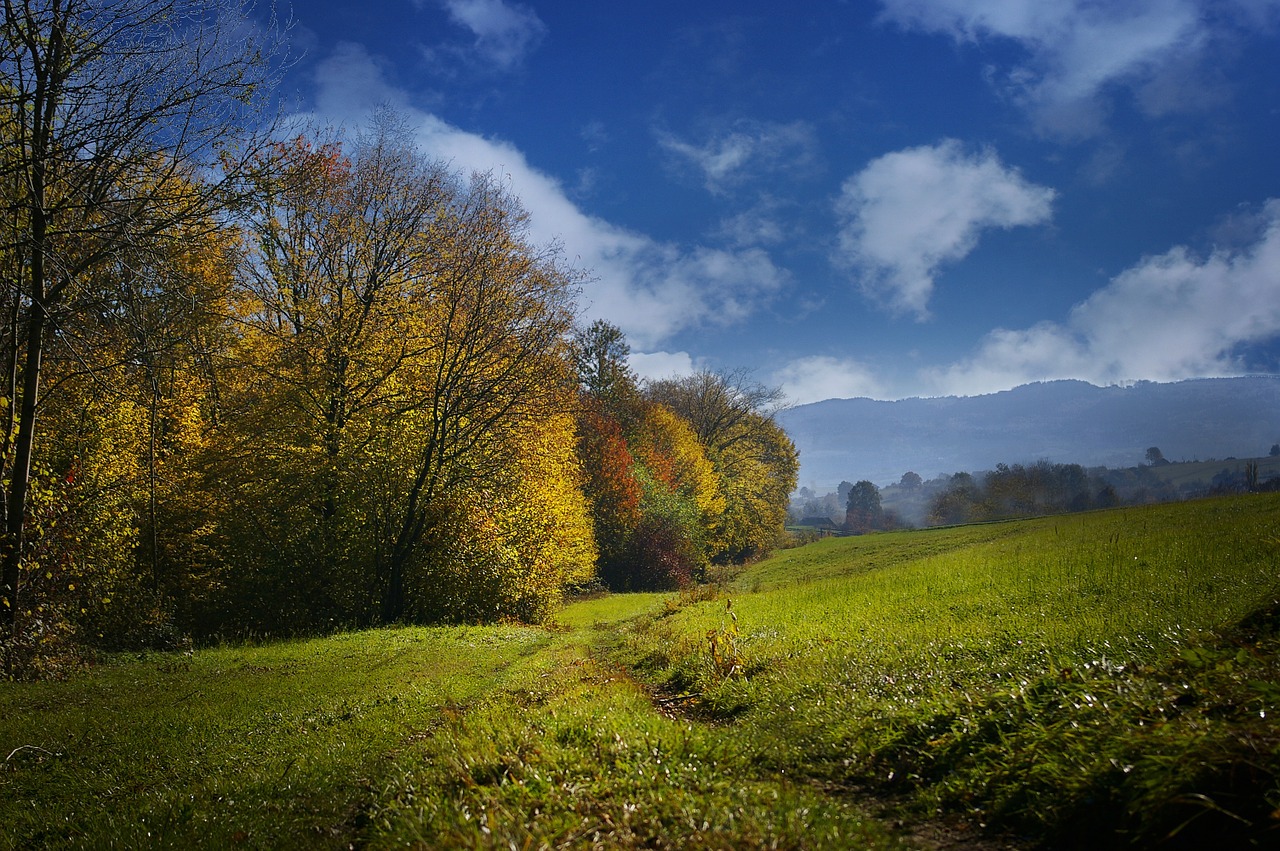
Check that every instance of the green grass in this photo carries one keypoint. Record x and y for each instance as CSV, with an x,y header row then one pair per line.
x,y
1181,473
573,754
442,738
273,746
1050,675
1109,678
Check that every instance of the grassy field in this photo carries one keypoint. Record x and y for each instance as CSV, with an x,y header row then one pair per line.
x,y
1202,472
1110,677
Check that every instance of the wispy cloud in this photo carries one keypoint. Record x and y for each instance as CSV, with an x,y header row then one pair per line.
x,y
650,289
1073,49
745,151
911,212
504,33
1169,317
813,379
759,225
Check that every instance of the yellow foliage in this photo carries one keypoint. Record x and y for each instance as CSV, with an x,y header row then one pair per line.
x,y
543,512
669,448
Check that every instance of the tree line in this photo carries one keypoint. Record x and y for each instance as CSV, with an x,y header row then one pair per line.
x,y
1003,493
1009,492
266,383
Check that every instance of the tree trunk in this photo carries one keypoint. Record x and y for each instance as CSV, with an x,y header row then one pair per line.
x,y
20,473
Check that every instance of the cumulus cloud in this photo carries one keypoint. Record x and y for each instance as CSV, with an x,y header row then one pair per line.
x,y
650,289
747,150
504,33
814,379
909,213
1169,317
1074,48
655,366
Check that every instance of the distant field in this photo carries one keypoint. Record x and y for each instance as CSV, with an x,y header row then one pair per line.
x,y
1191,472
1109,678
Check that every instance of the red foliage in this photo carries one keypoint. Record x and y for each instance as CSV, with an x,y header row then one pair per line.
x,y
610,485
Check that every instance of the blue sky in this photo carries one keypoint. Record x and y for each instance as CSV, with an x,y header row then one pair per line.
x,y
885,199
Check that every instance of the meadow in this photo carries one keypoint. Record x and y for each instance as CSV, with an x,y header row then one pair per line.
x,y
1109,678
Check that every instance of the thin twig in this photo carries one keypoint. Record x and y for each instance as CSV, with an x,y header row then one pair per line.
x,y
28,747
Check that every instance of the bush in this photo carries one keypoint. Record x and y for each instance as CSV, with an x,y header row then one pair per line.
x,y
659,556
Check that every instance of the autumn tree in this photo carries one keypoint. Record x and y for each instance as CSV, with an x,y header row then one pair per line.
x,y
681,504
614,493
510,551
130,411
331,298
109,110
498,311
403,344
755,461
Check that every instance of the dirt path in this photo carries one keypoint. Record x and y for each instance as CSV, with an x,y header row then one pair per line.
x,y
950,833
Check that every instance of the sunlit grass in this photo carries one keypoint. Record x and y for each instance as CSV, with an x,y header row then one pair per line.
x,y
275,746
572,754
439,738
939,659
1109,677
609,609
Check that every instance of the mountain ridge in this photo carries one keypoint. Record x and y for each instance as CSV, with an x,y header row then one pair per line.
x,y
1064,421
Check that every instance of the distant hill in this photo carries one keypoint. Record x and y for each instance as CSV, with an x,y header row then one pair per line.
x,y
1060,421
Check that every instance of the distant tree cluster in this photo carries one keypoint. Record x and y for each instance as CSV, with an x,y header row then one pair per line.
x,y
1020,491
1010,492
255,386
854,508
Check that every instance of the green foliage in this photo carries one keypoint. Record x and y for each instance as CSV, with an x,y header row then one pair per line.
x,y
863,512
1019,491
664,551
600,354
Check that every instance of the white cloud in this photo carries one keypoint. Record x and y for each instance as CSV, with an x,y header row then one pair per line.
x,y
752,227
1074,48
504,33
655,366
744,152
911,212
1169,317
813,379
649,289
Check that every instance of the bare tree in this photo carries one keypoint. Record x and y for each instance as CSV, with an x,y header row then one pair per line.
x,y
721,407
121,120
